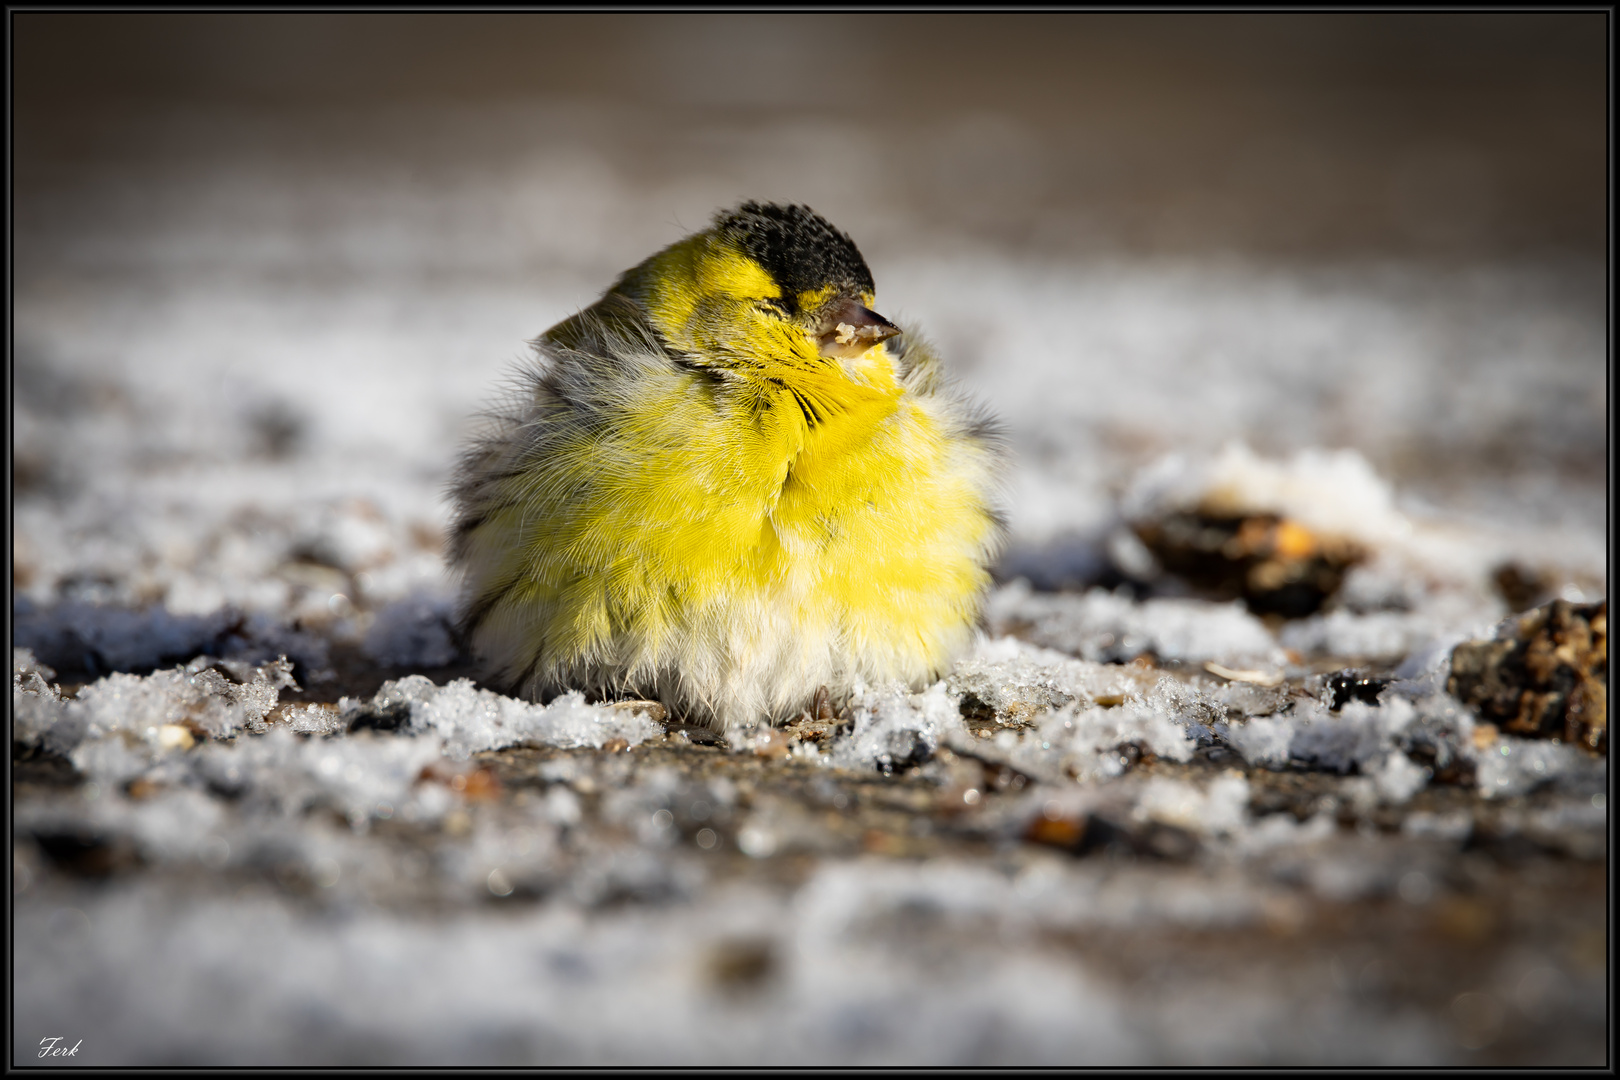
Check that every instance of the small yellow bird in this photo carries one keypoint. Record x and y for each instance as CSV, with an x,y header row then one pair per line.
x,y
727,484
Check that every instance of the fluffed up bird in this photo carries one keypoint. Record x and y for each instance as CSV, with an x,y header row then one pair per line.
x,y
726,484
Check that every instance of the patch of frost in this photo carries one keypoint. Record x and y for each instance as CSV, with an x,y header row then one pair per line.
x,y
471,720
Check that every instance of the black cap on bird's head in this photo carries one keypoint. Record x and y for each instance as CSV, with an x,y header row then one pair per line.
x,y
798,247
808,258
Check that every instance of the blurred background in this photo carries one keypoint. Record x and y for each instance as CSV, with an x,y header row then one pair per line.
x,y
1131,233
1282,135
267,267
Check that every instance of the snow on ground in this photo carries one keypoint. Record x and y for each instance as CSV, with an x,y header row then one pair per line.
x,y
234,418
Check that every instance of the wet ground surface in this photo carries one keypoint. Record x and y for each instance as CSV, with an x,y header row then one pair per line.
x,y
1472,928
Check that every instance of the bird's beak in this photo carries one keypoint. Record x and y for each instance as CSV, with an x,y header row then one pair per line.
x,y
850,328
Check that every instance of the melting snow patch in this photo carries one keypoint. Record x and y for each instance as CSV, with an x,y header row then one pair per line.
x,y
1512,766
1087,741
471,720
1357,735
1335,491
145,707
34,699
1059,717
1366,738
1105,626
895,729
1375,636
1220,809
353,775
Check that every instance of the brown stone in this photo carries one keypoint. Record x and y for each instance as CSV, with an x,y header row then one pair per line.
x,y
1521,586
142,788
1544,675
1276,565
741,964
773,744
482,784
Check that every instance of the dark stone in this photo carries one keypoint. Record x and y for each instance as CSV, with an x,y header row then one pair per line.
x,y
1347,686
87,855
386,718
1093,834
907,750
976,711
1522,587
278,430
741,964
1276,566
1444,765
1166,842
